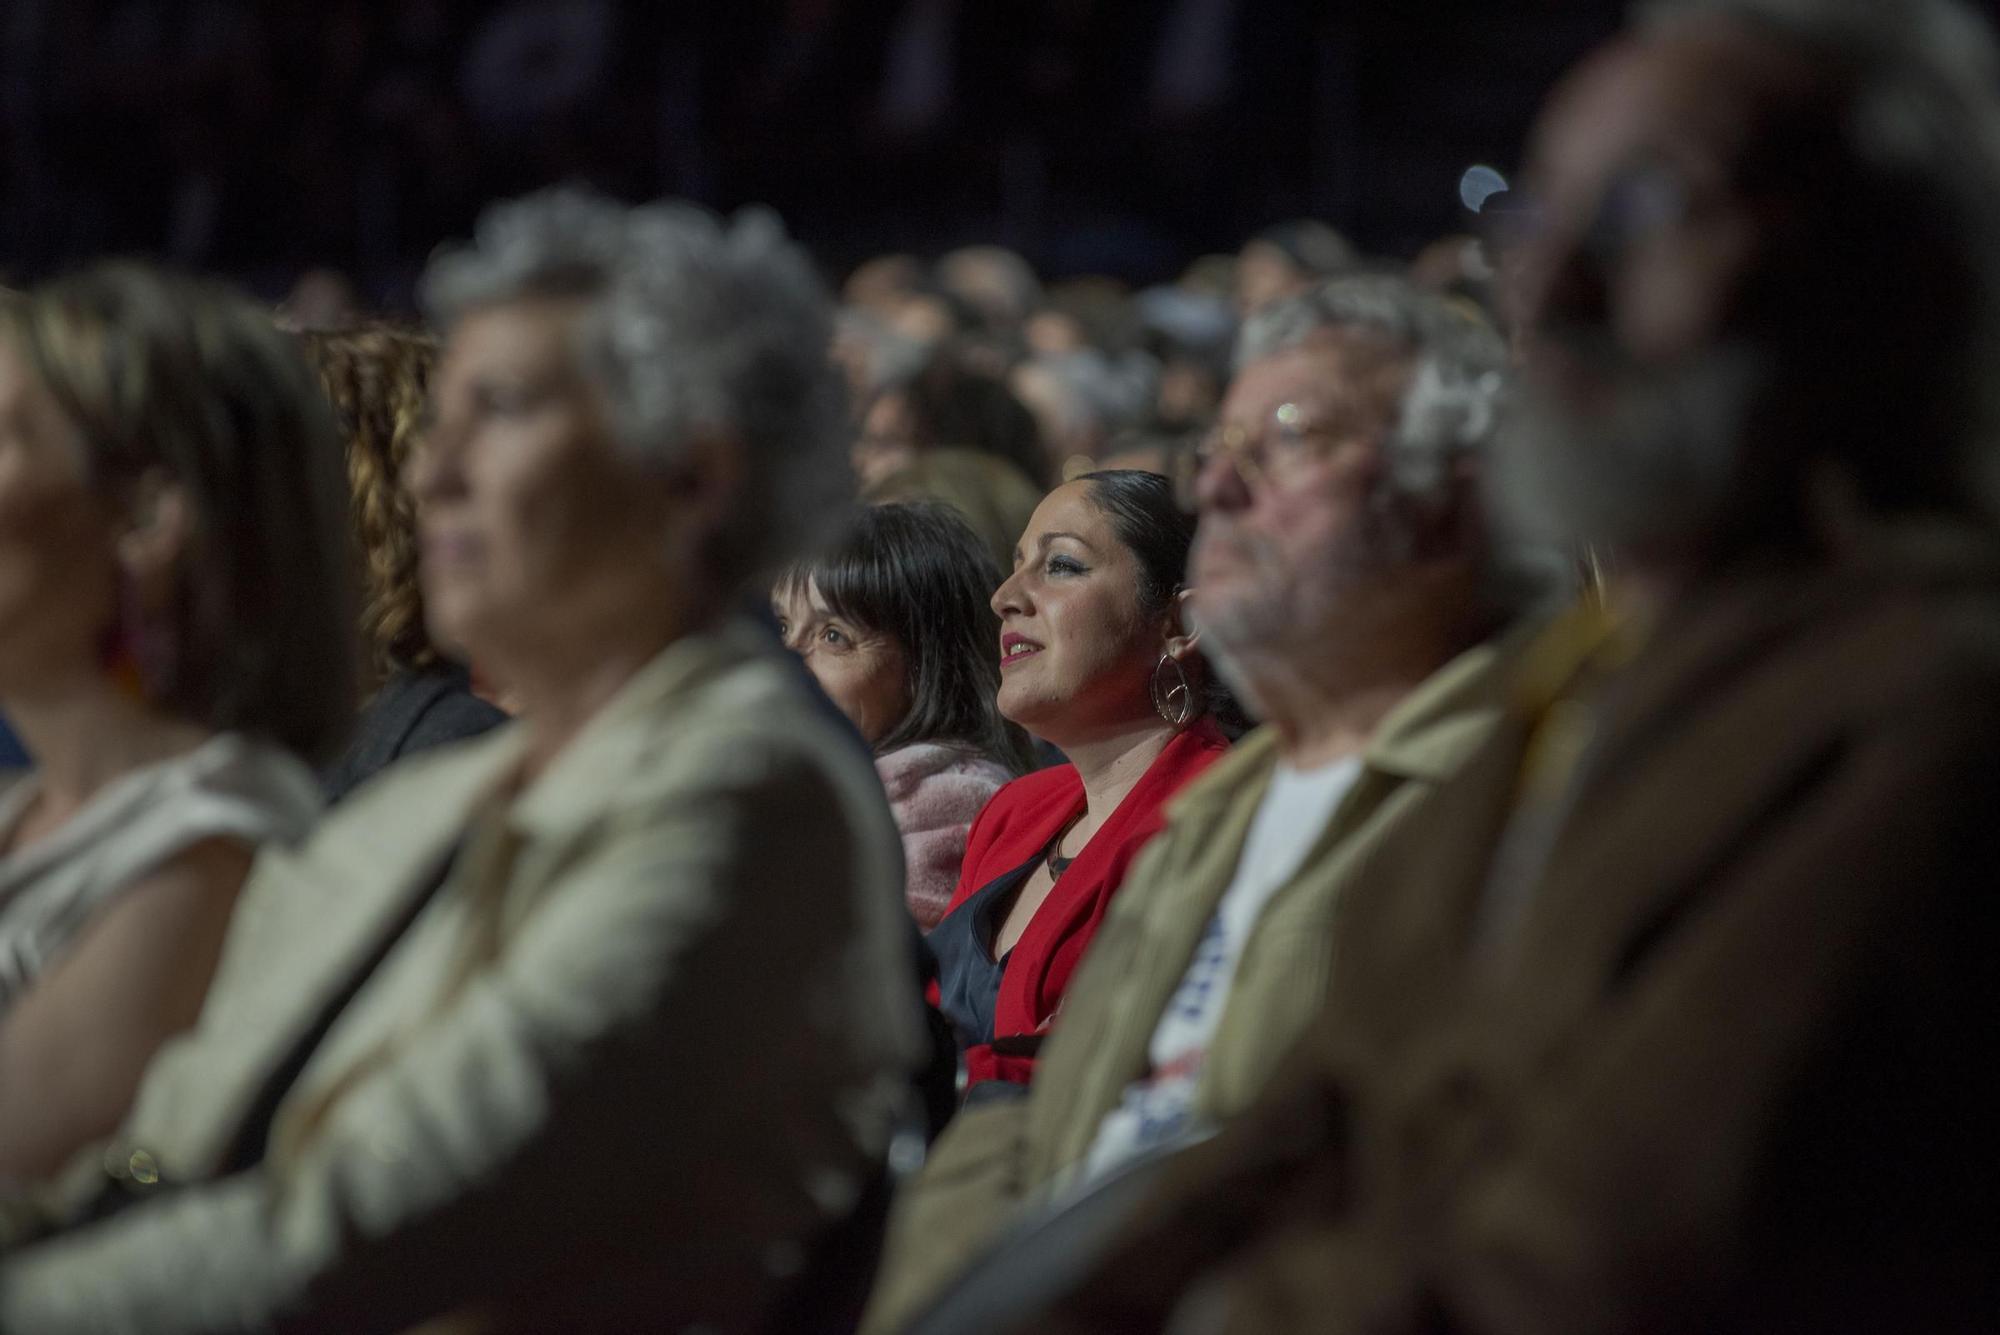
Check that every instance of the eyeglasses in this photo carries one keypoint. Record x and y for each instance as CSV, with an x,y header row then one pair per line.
x,y
1637,202
1269,459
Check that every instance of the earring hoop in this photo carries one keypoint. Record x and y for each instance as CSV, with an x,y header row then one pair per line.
x,y
1174,703
139,650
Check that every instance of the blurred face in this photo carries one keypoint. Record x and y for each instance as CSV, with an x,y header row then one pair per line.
x,y
539,536
1188,393
922,319
887,441
1286,526
861,670
58,565
1076,655
1628,280
882,283
1067,435
1051,332
1265,274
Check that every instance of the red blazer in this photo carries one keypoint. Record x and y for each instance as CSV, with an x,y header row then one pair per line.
x,y
1020,821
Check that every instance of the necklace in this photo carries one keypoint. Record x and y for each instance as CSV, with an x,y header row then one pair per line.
x,y
1057,863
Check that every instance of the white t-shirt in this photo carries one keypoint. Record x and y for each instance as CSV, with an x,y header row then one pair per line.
x,y
229,787
1156,1107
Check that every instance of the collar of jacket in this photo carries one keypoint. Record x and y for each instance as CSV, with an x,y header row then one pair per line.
x,y
570,792
1737,614
1424,736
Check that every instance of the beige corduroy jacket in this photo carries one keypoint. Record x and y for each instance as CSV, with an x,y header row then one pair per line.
x,y
996,1156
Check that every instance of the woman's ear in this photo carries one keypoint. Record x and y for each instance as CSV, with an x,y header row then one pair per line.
x,y
1183,637
159,530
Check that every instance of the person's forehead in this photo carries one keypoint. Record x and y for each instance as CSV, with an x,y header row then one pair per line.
x,y
1694,90
531,332
1257,253
1069,509
1335,367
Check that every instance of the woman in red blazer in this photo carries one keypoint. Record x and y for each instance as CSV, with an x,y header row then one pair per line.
x,y
1096,660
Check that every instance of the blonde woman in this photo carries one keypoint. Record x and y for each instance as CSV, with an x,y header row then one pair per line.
x,y
174,627
418,697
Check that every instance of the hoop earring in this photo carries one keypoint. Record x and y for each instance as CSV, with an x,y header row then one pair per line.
x,y
139,650
1174,703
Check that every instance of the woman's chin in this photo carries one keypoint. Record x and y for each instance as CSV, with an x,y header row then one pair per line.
x,y
1021,707
459,622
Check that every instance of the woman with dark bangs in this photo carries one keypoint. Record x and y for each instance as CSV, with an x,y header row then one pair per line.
x,y
895,624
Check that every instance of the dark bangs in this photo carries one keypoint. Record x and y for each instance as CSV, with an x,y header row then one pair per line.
x,y
916,572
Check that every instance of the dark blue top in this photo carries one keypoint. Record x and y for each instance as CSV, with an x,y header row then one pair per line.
x,y
414,711
11,754
962,942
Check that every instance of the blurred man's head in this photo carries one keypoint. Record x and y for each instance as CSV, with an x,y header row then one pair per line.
x,y
1286,260
1337,499
992,280
1760,284
881,285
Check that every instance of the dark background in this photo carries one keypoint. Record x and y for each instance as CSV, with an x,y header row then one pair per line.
x,y
260,138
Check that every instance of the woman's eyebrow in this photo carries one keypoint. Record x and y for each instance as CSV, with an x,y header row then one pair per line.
x,y
1047,538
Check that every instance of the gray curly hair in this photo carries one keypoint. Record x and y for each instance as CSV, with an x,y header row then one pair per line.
x,y
695,324
1452,406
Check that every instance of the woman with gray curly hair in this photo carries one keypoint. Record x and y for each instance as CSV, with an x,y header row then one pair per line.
x,y
601,1021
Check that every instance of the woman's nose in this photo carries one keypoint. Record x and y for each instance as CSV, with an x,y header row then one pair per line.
x,y
1010,596
435,466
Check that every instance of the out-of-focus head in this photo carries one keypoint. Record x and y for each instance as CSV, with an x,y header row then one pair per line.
x,y
1081,399
1340,476
321,299
989,493
1759,286
894,622
887,441
1212,277
881,284
1092,604
635,408
871,354
377,378
942,405
1091,311
1286,260
1189,335
929,318
994,281
172,509
1452,265
1148,452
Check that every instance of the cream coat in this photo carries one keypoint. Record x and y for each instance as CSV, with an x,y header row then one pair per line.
x,y
644,1042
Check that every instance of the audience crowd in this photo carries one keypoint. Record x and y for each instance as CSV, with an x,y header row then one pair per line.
x,y
1328,795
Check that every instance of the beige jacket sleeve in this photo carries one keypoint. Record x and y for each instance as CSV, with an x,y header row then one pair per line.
x,y
669,1030
946,1216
